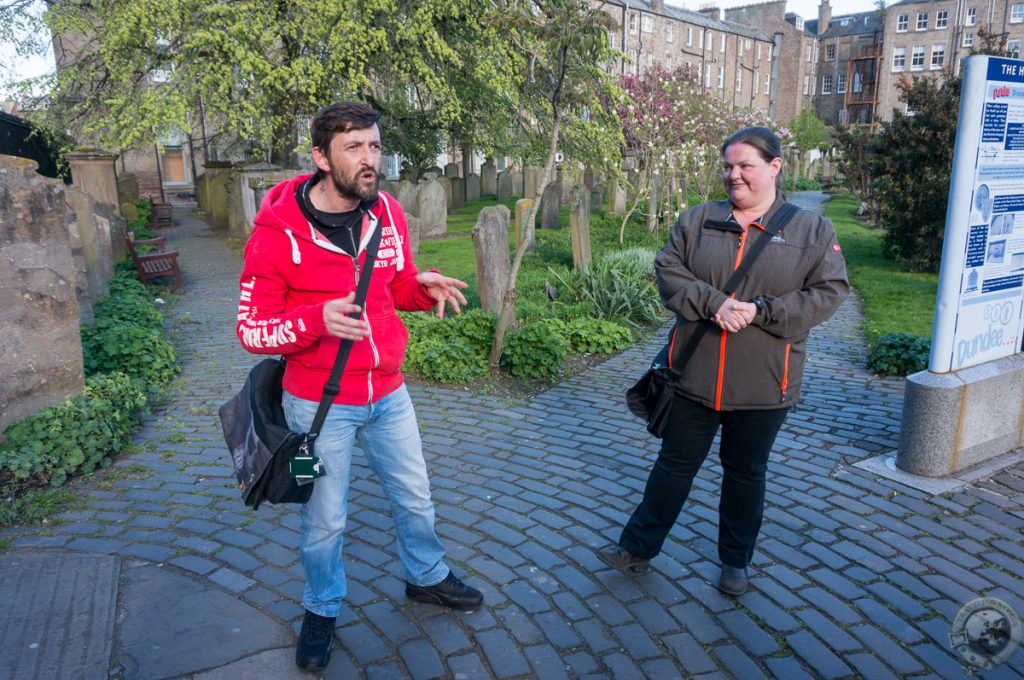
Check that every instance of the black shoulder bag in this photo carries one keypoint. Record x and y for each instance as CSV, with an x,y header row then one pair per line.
x,y
272,463
651,397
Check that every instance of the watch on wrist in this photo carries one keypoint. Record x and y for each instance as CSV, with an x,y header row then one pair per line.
x,y
759,303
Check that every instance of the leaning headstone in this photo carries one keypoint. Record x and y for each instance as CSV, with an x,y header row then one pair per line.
x,y
451,170
488,179
413,224
446,185
504,186
517,183
579,226
458,192
94,173
94,237
523,207
472,188
550,206
431,207
405,192
490,242
41,355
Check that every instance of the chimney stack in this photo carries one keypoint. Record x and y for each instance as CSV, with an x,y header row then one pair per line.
x,y
711,11
658,6
824,16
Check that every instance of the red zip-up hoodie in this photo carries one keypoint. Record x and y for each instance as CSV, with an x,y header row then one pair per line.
x,y
291,270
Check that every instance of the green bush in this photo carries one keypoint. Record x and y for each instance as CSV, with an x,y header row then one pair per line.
x,y
109,345
615,295
637,261
536,350
596,336
129,310
446,360
74,436
899,354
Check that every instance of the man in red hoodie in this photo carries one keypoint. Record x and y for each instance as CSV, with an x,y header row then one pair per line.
x,y
302,263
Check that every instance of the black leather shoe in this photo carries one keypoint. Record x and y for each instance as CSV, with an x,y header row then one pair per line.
x,y
734,580
313,651
619,558
451,592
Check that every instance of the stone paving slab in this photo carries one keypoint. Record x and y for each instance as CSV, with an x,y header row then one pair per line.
x,y
855,574
58,614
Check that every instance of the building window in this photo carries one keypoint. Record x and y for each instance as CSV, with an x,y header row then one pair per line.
x,y
689,36
611,39
899,58
757,83
807,52
841,84
938,56
670,33
799,23
968,39
632,54
759,51
632,22
830,52
721,77
917,58
739,80
922,21
902,23
807,84
707,76
668,63
721,44
858,83
1013,48
826,84
648,23
767,83
1017,12
160,75
942,18
709,42
972,16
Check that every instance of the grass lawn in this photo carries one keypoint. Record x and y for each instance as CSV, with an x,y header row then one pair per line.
x,y
894,300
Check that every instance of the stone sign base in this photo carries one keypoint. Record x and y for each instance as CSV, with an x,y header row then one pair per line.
x,y
953,421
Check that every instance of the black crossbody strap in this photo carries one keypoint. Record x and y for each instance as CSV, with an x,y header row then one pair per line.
x,y
333,385
780,219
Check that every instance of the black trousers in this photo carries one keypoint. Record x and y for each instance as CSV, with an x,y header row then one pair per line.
x,y
747,438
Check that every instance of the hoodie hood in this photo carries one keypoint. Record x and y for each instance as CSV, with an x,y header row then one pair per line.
x,y
280,211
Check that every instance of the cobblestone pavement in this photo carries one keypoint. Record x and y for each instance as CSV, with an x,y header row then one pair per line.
x,y
854,576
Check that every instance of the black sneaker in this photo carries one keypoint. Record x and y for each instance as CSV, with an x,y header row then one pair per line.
x,y
621,559
313,651
733,580
451,592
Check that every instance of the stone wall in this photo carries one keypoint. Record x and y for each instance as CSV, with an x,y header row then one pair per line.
x,y
41,356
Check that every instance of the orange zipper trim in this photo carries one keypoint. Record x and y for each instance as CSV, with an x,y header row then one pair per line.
x,y
785,372
725,334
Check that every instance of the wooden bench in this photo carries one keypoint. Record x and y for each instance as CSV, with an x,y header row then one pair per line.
x,y
155,264
163,215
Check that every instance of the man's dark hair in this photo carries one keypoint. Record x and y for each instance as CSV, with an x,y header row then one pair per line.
x,y
340,117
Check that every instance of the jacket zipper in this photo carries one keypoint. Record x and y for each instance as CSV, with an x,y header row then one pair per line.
x,y
725,334
785,373
373,346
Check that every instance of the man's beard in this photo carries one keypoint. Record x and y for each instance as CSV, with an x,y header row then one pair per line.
x,y
352,187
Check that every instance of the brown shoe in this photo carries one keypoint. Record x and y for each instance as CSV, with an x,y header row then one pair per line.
x,y
617,558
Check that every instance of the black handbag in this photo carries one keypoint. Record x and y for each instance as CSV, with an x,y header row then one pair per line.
x,y
263,448
650,398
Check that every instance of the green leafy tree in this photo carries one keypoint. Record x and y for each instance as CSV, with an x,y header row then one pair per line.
x,y
133,70
808,133
559,46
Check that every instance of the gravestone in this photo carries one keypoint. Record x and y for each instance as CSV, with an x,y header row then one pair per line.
x,y
413,224
488,179
597,195
579,226
389,185
407,173
41,355
532,177
405,193
94,236
490,243
458,193
431,207
517,183
523,207
212,192
438,172
446,185
616,198
472,188
504,186
127,188
550,205
451,170
93,172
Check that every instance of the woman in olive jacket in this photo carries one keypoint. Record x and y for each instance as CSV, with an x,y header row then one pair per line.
x,y
745,374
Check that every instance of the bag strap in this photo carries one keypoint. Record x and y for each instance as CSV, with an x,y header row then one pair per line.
x,y
333,385
780,219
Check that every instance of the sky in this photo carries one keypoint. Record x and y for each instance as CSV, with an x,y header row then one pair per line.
x,y
808,9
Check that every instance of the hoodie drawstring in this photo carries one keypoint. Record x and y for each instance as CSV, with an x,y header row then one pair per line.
x,y
296,258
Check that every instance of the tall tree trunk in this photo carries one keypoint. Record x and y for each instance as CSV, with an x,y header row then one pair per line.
x,y
508,300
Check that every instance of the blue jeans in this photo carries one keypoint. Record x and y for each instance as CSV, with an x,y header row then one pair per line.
x,y
387,433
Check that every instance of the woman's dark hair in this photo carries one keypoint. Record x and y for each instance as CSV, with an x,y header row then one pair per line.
x,y
764,141
340,117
